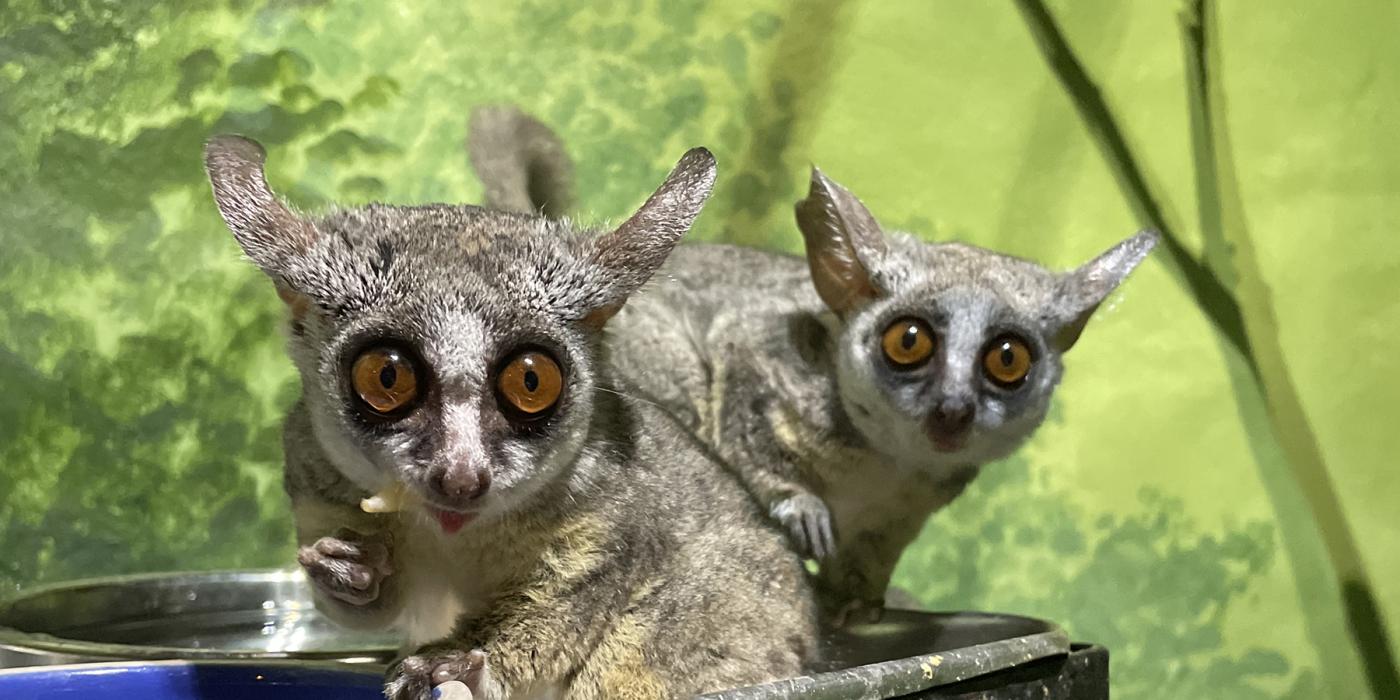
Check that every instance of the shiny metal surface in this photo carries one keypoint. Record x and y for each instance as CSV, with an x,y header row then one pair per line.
x,y
264,615
243,615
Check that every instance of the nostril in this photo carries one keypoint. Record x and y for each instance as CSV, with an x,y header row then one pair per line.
x,y
461,483
955,416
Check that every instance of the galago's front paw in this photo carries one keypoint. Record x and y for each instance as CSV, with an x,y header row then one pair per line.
x,y
858,612
349,566
808,524
415,677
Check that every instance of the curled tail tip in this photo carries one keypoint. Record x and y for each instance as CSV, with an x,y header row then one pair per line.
x,y
521,162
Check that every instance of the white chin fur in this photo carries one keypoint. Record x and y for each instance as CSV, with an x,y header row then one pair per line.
x,y
346,456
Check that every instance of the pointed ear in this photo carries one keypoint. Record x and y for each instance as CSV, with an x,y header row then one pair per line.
x,y
268,231
842,239
1080,292
629,255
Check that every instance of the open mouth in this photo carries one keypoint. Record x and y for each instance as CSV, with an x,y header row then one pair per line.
x,y
394,497
948,444
450,521
944,442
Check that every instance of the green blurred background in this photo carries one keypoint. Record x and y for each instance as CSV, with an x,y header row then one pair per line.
x,y
1213,496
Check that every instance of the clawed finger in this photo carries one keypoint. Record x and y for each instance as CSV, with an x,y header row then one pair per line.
x,y
818,527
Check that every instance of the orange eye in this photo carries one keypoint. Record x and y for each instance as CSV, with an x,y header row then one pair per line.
x,y
530,384
1007,361
385,379
907,343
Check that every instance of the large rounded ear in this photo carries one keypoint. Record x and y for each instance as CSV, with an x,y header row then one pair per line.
x,y
271,235
1080,292
628,256
842,239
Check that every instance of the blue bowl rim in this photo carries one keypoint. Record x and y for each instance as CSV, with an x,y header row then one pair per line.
x,y
268,665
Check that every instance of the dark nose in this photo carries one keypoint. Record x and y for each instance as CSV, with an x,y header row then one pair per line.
x,y
951,417
459,485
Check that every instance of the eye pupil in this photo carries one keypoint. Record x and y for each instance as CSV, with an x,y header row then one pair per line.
x,y
907,343
529,386
1007,361
385,381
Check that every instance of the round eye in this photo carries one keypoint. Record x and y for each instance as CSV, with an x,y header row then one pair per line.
x,y
1007,361
907,343
385,379
530,384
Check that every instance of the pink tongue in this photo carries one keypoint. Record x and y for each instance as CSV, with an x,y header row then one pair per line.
x,y
451,522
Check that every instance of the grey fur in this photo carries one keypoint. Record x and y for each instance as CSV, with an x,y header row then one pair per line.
x,y
610,555
777,364
527,166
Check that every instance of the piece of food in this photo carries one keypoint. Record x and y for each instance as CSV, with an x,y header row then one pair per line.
x,y
390,499
452,690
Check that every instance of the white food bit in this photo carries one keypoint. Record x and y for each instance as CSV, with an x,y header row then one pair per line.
x,y
453,690
390,499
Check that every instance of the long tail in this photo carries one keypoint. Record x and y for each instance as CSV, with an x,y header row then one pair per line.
x,y
520,161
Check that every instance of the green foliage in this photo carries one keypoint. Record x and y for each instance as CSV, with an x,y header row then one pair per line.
x,y
1014,543
1157,514
146,352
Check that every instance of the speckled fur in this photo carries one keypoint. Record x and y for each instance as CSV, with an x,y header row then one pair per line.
x,y
611,556
775,361
796,397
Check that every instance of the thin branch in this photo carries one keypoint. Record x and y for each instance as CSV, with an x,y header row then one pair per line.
x,y
1229,244
1210,294
1268,369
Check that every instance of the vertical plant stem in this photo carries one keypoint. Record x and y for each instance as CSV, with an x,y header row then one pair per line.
x,y
1230,247
1254,335
1211,295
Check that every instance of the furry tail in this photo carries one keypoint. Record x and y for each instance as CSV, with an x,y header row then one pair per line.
x,y
520,161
